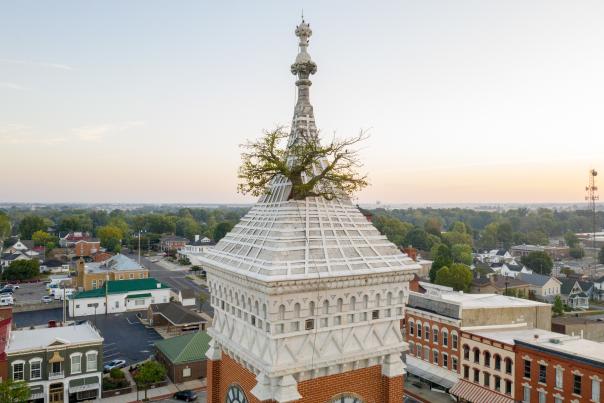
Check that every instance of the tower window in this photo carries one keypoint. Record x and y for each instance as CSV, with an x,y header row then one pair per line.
x,y
309,324
375,314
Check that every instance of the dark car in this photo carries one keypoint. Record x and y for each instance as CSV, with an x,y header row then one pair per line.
x,y
186,395
7,290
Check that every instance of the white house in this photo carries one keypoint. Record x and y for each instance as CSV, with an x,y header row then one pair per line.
x,y
542,287
119,296
512,269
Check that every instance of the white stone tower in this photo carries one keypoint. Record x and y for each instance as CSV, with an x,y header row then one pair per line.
x,y
307,295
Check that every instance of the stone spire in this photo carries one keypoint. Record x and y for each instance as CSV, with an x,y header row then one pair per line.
x,y
303,124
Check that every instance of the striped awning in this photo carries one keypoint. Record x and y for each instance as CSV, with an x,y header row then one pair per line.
x,y
477,394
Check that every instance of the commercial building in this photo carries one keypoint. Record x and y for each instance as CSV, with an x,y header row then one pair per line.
x,y
58,363
588,327
90,276
555,252
175,319
119,296
184,356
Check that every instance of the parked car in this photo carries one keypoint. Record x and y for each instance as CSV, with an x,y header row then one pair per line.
x,y
114,364
6,299
186,395
13,286
47,299
6,290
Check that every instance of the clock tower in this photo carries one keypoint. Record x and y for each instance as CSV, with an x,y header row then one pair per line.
x,y
307,295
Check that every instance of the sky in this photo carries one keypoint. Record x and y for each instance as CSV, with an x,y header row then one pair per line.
x,y
148,101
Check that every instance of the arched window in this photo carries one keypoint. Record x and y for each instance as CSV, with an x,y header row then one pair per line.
x,y
256,307
264,311
236,298
497,362
365,302
419,329
445,337
389,299
377,300
476,353
353,303
296,310
346,398
235,394
401,297
454,340
325,307
427,331
434,334
487,359
311,308
340,304
281,312
411,347
466,352
508,365
411,327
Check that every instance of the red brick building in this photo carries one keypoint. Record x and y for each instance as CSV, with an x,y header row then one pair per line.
x,y
172,242
83,248
559,369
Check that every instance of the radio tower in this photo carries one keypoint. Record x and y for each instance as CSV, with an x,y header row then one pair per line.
x,y
592,195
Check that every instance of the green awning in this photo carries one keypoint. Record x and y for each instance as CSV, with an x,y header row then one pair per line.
x,y
133,296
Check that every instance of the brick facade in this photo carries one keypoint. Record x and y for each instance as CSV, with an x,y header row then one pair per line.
x,y
569,366
367,383
175,371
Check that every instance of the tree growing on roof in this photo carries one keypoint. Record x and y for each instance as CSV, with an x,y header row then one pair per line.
x,y
313,169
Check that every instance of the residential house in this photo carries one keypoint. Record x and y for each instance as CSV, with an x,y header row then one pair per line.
x,y
184,356
7,258
186,297
71,238
555,252
58,363
199,245
86,247
559,369
598,289
119,296
499,285
119,267
512,269
434,325
54,266
573,295
172,242
540,286
173,318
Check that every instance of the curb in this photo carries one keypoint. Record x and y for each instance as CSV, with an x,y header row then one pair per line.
x,y
168,395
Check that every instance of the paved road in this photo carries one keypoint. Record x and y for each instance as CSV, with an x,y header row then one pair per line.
x,y
176,280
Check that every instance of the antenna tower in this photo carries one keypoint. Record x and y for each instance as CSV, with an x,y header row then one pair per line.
x,y
591,196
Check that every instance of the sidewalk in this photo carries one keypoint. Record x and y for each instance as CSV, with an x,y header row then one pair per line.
x,y
158,393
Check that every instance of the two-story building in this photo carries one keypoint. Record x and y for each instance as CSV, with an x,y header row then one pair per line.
x,y
86,247
90,276
172,242
59,364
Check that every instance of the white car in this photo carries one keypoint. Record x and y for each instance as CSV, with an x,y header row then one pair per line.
x,y
46,299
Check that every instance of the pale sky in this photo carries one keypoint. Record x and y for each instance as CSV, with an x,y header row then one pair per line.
x,y
147,101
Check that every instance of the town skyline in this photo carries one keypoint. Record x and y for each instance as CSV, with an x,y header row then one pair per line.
x,y
508,116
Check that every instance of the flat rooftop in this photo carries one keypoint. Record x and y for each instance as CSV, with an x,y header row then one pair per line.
x,y
573,345
508,336
477,301
41,338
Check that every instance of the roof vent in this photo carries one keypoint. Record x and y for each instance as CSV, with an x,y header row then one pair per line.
x,y
554,341
158,285
536,336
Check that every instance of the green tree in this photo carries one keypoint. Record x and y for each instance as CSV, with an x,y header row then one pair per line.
x,y
418,238
576,252
4,226
433,225
42,238
14,391
461,253
558,307
458,276
571,239
505,234
30,224
148,373
488,237
539,262
221,230
393,228
111,238
22,270
537,237
313,169
187,227
441,257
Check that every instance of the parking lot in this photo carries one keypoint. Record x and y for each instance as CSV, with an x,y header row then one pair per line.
x,y
125,337
30,293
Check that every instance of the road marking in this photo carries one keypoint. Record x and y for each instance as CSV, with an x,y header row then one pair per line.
x,y
110,344
110,355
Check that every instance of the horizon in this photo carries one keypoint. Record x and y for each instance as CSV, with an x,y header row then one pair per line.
x,y
132,103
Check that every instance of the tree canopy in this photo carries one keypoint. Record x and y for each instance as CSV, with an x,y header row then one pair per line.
x,y
14,391
111,237
441,257
148,373
30,224
22,270
458,276
539,262
312,168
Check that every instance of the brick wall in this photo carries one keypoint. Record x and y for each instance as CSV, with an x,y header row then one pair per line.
x,y
367,383
411,319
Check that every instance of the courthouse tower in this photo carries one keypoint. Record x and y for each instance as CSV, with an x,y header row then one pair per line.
x,y
307,295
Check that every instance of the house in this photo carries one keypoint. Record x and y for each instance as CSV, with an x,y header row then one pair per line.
x,y
72,237
58,363
174,318
101,257
20,246
481,269
54,266
498,256
86,247
573,295
541,286
512,269
499,285
119,267
184,356
8,258
186,297
119,296
590,329
199,245
172,242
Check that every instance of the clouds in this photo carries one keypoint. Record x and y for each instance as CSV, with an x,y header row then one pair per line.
x,y
15,134
99,132
58,66
12,86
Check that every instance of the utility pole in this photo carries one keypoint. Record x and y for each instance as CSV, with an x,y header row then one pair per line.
x,y
592,195
139,247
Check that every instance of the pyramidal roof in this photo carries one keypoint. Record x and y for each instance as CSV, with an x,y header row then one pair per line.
x,y
281,239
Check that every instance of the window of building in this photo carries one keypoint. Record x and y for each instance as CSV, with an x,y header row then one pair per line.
x,y
435,357
186,372
466,352
435,335
445,338
445,360
541,396
577,384
595,390
557,399
337,320
487,359
526,394
117,304
497,362
454,364
93,283
18,371
497,383
295,326
76,363
427,354
375,314
559,377
508,365
466,372
542,373
476,375
411,328
91,361
411,347
508,387
139,301
527,369
309,324
427,332
476,353
351,318
419,351
419,330
454,341
35,369
486,379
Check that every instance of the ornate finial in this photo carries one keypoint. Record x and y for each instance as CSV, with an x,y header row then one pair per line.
x,y
303,67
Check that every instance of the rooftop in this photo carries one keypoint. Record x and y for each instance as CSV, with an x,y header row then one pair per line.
x,y
476,301
118,262
41,338
571,345
176,313
500,282
536,279
122,286
186,348
508,336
